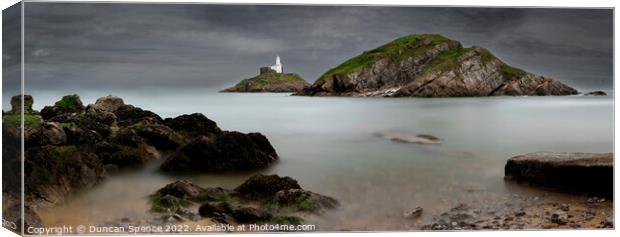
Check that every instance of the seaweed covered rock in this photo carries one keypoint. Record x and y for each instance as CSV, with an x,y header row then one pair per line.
x,y
260,186
260,199
195,124
430,66
591,173
68,104
52,172
226,152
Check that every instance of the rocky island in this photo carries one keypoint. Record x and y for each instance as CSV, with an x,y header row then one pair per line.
x,y
271,79
430,65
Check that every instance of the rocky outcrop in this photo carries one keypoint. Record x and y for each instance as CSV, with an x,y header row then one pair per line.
x,y
407,137
71,146
260,199
225,152
270,81
591,173
431,66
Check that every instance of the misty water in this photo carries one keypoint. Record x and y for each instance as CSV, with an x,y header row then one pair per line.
x,y
327,144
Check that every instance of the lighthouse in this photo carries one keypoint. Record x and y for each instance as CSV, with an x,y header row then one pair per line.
x,y
278,66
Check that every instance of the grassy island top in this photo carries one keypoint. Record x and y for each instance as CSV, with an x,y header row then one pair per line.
x,y
270,78
409,46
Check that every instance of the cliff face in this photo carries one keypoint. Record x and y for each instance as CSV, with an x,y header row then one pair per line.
x,y
430,66
270,81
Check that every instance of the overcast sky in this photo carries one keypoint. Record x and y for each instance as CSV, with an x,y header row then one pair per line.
x,y
110,47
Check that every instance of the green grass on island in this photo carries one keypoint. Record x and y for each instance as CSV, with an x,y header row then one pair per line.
x,y
408,46
30,120
270,78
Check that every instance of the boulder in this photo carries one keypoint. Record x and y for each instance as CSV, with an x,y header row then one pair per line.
x,y
590,173
53,134
108,103
181,189
66,105
157,134
52,172
303,200
227,152
128,115
246,215
261,186
193,125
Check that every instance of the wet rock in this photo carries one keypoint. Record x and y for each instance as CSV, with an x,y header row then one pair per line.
x,y
406,137
128,115
193,124
158,135
167,203
596,93
53,134
266,185
66,105
181,189
250,215
108,103
52,172
214,209
559,217
228,151
608,222
564,207
415,213
303,200
557,170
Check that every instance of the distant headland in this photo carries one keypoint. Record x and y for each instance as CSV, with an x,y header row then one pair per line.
x,y
271,79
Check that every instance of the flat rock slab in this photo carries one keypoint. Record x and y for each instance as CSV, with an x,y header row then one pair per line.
x,y
590,173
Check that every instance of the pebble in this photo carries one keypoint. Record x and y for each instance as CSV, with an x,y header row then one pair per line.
x,y
416,212
559,217
564,207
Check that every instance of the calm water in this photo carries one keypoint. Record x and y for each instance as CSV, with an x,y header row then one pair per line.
x,y
328,146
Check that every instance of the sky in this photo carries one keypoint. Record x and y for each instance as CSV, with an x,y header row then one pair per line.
x,y
111,47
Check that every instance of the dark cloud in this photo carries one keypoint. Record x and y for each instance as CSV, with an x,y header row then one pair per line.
x,y
116,46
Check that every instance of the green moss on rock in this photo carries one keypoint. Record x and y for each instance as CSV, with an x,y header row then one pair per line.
x,y
396,50
68,102
31,121
509,72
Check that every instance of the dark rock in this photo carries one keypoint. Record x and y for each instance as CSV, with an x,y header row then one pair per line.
x,y
596,93
564,207
558,170
303,200
53,134
157,134
250,215
266,185
52,172
181,189
559,217
67,105
193,124
228,151
215,209
167,203
128,115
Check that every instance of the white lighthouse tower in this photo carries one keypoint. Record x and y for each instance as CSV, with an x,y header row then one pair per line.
x,y
278,66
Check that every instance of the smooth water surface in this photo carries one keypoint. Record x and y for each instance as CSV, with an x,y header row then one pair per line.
x,y
327,144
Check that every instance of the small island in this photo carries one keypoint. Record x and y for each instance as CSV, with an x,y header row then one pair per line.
x,y
271,79
430,65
